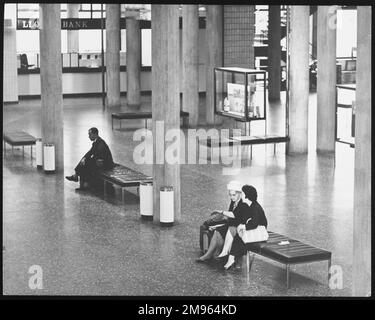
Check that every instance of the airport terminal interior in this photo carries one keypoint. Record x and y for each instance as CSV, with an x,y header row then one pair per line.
x,y
290,85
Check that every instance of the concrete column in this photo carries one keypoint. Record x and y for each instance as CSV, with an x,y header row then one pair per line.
x,y
165,100
190,29
10,81
274,53
298,78
113,54
133,62
362,162
326,83
51,79
314,34
72,35
214,39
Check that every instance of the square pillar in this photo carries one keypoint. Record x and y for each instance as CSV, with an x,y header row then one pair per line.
x,y
133,62
10,75
298,79
274,52
362,160
214,58
113,54
190,32
51,79
326,79
165,101
72,35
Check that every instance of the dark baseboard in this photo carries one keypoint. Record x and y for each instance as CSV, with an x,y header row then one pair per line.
x,y
77,95
10,102
79,70
84,95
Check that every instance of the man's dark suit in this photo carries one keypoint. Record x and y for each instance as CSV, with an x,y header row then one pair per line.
x,y
91,168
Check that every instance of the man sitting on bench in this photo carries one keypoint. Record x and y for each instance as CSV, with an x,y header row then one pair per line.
x,y
98,158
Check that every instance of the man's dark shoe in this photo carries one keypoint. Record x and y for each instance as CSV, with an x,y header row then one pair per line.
x,y
72,178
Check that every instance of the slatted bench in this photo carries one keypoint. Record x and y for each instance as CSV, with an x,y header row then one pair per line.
x,y
123,177
18,138
246,140
145,115
296,252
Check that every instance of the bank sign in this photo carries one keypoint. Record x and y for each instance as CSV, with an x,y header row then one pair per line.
x,y
76,24
66,24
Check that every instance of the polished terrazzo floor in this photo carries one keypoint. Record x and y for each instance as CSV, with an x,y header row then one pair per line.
x,y
88,244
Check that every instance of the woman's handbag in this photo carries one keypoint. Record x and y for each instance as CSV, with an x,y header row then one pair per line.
x,y
216,219
254,235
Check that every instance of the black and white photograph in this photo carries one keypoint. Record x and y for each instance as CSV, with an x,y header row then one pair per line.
x,y
186,150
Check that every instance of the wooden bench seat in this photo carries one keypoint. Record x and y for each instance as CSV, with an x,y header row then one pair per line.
x,y
145,115
18,138
123,177
246,140
296,252
261,139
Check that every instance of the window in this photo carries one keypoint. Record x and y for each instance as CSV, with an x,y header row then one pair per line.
x,y
96,7
27,10
85,7
146,47
346,32
84,15
91,11
31,10
97,15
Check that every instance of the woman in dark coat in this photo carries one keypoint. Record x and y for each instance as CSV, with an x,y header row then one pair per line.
x,y
252,217
234,215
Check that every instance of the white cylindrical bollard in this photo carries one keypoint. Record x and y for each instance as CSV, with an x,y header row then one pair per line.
x,y
146,200
39,153
166,205
49,158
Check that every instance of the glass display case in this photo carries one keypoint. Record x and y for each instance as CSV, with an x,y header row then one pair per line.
x,y
240,93
345,113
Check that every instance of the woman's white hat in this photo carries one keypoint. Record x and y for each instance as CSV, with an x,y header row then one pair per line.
x,y
234,185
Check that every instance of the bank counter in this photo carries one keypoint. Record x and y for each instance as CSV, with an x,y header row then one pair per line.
x,y
81,75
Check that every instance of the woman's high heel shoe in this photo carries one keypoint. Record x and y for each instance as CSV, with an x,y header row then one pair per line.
x,y
227,245
230,263
231,266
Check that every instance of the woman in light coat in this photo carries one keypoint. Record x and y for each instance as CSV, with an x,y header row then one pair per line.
x,y
252,227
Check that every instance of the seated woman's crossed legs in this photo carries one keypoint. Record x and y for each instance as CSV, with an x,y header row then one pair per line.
x,y
231,233
214,248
